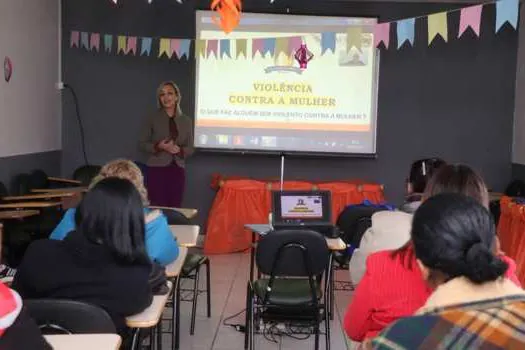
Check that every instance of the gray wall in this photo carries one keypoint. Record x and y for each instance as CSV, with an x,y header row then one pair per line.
x,y
452,100
30,104
11,166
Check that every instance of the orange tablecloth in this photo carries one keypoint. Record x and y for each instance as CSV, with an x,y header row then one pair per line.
x,y
511,233
243,201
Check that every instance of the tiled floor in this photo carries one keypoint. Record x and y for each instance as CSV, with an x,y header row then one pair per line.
x,y
229,274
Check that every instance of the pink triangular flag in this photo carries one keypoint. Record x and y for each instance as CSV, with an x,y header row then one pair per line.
x,y
257,46
175,47
132,45
75,38
294,43
94,43
470,16
213,45
382,34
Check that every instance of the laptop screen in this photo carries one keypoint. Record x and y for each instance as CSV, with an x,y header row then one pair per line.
x,y
297,207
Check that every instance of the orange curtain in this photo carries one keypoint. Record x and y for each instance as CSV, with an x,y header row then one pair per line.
x,y
241,202
237,203
511,233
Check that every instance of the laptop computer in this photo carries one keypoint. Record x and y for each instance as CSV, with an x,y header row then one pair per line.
x,y
310,210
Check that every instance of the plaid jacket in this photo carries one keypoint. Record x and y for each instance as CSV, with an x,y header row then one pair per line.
x,y
488,324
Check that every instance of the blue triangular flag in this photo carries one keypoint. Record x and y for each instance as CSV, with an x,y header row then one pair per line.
x,y
327,42
225,48
84,40
185,48
108,42
405,31
145,47
269,46
507,11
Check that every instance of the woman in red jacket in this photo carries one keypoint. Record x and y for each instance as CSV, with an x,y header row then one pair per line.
x,y
392,286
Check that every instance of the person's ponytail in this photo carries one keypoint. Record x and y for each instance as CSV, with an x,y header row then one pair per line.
x,y
481,265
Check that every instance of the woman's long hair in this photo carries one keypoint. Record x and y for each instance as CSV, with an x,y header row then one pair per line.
x,y
178,110
111,213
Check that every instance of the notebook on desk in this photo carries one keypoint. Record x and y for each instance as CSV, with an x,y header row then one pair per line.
x,y
306,210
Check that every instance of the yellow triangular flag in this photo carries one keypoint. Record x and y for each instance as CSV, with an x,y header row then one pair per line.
x,y
281,46
164,47
354,38
121,40
240,47
437,24
200,48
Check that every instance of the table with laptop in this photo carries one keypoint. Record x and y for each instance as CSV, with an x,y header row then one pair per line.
x,y
302,210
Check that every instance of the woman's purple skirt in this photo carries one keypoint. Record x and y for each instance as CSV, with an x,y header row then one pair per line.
x,y
165,185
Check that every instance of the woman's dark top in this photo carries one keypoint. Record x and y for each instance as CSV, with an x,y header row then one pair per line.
x,y
78,269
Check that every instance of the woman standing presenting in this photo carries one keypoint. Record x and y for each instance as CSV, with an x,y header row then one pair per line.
x,y
167,138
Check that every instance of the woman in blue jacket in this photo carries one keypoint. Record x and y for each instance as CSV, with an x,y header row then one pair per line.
x,y
161,245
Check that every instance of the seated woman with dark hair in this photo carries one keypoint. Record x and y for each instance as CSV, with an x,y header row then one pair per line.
x,y
392,286
391,229
103,262
473,306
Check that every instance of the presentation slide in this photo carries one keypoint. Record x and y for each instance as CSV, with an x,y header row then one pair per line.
x,y
287,83
298,207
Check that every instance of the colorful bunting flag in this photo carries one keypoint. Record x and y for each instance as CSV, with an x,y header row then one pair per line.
x,y
84,40
382,34
470,17
145,47
108,42
507,11
405,31
437,25
94,43
294,43
174,47
184,48
257,46
225,48
75,38
240,47
200,48
327,42
132,45
354,38
121,44
269,46
164,47
212,48
281,47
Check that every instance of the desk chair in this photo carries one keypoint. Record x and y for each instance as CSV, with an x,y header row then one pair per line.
x,y
38,179
191,267
290,292
56,316
86,173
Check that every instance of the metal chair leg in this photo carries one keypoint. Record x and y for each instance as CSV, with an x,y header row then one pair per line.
x,y
208,286
247,318
317,330
327,328
176,321
195,299
135,339
159,334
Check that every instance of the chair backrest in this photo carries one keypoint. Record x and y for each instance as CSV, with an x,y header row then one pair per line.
x,y
58,316
175,217
38,179
3,190
86,173
20,185
293,253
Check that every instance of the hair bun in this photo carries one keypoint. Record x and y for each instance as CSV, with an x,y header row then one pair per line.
x,y
481,265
